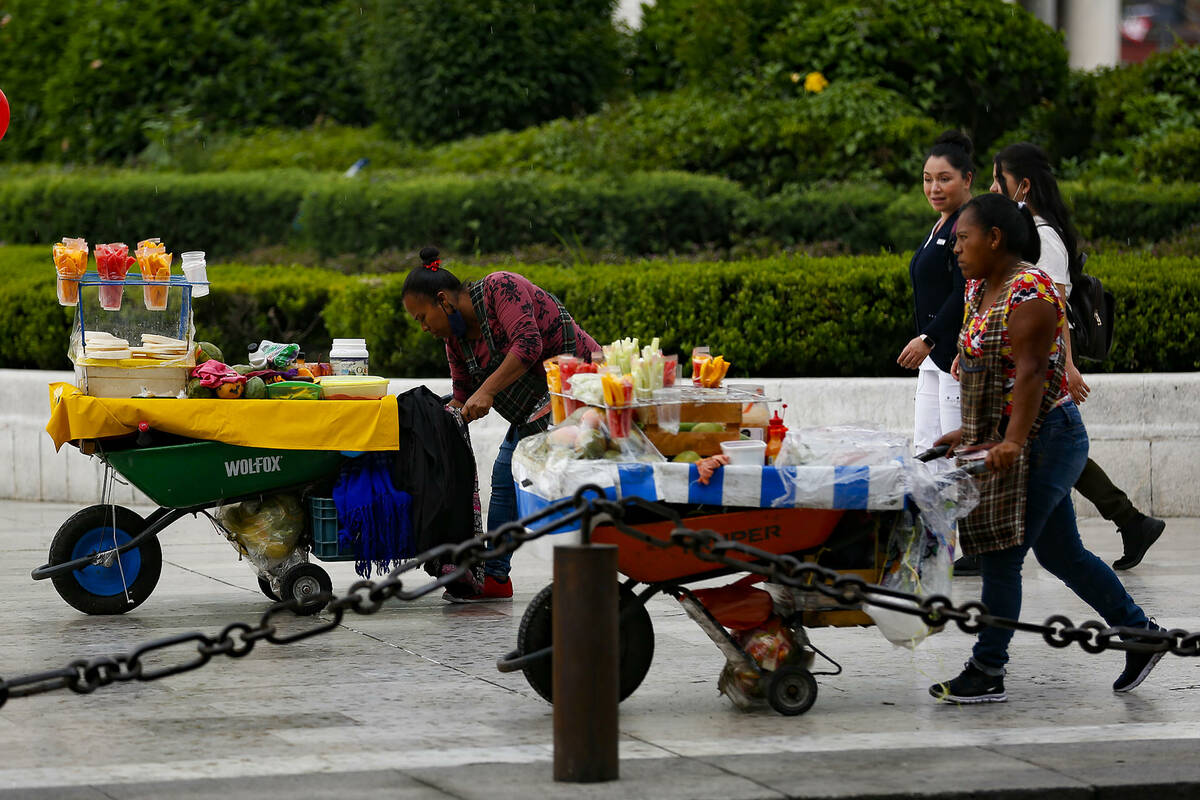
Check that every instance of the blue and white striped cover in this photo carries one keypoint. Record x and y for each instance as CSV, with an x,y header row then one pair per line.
x,y
877,487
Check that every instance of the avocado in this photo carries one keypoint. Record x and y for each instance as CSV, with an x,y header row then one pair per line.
x,y
256,389
708,427
197,392
208,350
687,457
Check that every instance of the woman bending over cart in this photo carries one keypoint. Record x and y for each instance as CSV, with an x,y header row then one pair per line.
x,y
498,331
1017,407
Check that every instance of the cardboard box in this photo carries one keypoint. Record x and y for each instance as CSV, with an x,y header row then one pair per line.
x,y
724,413
131,381
672,444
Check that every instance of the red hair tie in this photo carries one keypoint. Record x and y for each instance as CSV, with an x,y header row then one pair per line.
x,y
432,266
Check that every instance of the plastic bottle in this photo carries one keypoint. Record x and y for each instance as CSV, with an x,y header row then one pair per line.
x,y
349,357
272,355
776,430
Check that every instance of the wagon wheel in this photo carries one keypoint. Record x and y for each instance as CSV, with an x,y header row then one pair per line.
x,y
264,586
303,581
635,642
791,690
121,585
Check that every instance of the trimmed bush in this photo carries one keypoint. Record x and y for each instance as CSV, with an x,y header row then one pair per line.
x,y
246,304
220,214
1132,213
648,213
654,213
783,317
440,69
779,317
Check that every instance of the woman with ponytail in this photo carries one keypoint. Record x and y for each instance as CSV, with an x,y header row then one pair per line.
x,y
1016,408
1022,172
938,291
497,331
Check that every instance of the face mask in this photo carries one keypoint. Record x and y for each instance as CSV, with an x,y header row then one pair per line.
x,y
458,325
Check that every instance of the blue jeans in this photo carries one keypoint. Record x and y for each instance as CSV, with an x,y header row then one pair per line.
x,y
1056,458
502,508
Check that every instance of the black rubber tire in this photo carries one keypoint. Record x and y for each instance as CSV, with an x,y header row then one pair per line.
x,y
264,586
303,581
62,549
635,641
791,690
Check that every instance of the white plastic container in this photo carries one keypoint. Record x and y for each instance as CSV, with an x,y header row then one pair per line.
x,y
195,269
745,453
349,357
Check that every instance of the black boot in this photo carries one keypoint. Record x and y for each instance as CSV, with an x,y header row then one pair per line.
x,y
967,566
1137,536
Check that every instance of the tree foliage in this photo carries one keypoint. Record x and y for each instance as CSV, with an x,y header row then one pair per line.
x,y
441,69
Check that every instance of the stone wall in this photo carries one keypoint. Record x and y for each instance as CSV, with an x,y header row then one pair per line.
x,y
1145,430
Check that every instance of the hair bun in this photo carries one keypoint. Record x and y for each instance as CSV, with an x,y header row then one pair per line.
x,y
428,255
958,139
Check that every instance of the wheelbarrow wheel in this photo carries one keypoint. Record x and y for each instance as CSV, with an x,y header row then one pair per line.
x,y
791,690
264,586
635,642
302,582
122,585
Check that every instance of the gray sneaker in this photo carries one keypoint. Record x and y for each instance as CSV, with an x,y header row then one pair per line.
x,y
1138,665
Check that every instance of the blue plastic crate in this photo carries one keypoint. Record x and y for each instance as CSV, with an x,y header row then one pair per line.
x,y
323,514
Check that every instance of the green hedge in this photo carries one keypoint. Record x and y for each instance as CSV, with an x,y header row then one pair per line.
x,y
656,213
779,317
246,304
647,213
220,214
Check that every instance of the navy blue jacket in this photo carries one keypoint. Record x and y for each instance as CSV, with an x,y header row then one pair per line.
x,y
938,287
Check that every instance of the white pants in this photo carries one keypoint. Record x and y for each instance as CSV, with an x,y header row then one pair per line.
x,y
938,408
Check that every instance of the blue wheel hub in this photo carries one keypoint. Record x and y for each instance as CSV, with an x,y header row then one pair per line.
x,y
98,579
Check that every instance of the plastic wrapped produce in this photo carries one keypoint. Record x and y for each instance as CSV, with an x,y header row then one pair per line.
x,y
841,445
70,263
579,450
265,531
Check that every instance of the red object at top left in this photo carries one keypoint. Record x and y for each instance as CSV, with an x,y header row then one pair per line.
x,y
3,114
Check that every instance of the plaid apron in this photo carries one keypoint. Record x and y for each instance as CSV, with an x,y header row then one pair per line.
x,y
521,401
998,522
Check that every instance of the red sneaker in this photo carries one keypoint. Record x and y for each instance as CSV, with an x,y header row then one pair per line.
x,y
493,591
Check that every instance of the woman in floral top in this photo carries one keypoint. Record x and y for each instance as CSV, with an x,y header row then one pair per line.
x,y
1029,284
497,331
1017,409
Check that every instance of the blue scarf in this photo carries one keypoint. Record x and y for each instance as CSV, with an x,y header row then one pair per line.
x,y
374,517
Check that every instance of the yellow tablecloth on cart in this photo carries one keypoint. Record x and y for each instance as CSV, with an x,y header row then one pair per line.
x,y
357,425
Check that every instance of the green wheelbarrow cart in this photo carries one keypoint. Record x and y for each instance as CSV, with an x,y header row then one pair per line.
x,y
106,559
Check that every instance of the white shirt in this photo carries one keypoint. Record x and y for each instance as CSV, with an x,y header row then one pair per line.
x,y
1054,255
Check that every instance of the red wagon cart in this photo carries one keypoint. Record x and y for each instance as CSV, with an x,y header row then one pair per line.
x,y
860,519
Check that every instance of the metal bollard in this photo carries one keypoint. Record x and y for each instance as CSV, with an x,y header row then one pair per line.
x,y
586,663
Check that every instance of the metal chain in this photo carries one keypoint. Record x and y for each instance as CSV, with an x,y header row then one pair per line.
x,y
588,507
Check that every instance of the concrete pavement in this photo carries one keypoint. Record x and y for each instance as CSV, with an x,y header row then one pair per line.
x,y
408,702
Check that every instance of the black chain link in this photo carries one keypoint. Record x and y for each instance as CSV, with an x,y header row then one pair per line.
x,y
588,506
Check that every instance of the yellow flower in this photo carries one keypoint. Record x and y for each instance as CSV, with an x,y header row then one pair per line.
x,y
795,77
815,82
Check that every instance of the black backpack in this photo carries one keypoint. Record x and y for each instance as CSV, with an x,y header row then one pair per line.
x,y
1091,310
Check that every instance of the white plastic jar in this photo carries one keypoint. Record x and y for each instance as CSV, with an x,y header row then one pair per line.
x,y
349,357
